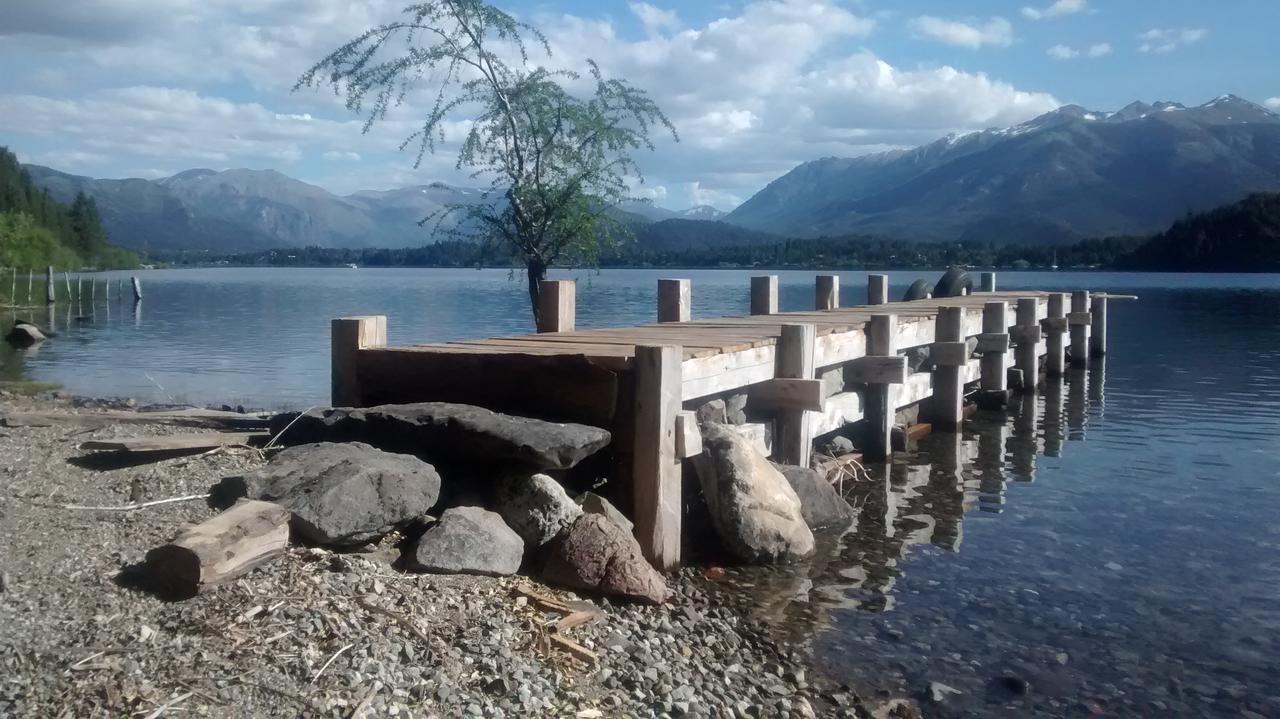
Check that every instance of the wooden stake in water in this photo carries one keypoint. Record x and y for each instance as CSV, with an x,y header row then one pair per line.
x,y
31,280
93,291
13,290
137,290
48,283
66,276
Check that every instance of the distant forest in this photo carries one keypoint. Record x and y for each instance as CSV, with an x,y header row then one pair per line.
x,y
37,231
1237,238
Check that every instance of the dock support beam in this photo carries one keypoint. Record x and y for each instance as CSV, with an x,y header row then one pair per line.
x,y
993,343
877,289
880,403
675,300
793,442
1079,321
655,467
1027,354
1055,329
826,290
557,306
764,295
949,354
988,282
1098,334
348,336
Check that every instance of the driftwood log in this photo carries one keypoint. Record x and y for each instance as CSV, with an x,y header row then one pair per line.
x,y
220,549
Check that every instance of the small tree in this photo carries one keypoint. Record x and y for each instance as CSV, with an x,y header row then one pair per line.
x,y
555,162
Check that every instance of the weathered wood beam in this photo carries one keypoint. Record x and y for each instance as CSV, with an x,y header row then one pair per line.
x,y
764,295
877,289
947,407
880,407
988,282
1079,319
675,300
826,290
1098,326
557,305
688,436
1055,328
348,336
993,344
891,369
656,480
1027,334
220,549
795,361
785,393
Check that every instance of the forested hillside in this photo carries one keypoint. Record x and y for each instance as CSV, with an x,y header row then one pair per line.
x,y
1243,237
37,230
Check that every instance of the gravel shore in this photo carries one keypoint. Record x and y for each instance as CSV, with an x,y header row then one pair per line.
x,y
320,634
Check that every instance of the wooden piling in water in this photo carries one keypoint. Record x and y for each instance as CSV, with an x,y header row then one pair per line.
x,y
349,335
1079,321
137,289
1055,330
1098,326
949,353
877,289
675,300
993,344
793,442
1028,334
764,295
31,280
49,284
880,400
826,290
655,476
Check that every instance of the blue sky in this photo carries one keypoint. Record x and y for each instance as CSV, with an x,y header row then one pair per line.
x,y
118,88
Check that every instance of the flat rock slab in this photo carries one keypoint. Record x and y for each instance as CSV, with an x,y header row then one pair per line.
x,y
468,540
596,555
341,494
443,431
820,504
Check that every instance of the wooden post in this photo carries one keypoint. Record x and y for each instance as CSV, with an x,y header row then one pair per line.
x,y
993,343
675,300
1098,329
137,290
1055,328
948,388
792,442
880,401
220,549
1079,321
1027,355
877,289
48,283
764,295
106,291
988,282
826,292
557,306
66,277
348,336
13,290
93,291
655,468
79,288
31,280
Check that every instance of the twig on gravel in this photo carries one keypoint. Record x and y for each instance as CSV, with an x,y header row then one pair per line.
x,y
282,432
331,660
399,619
364,703
172,702
132,507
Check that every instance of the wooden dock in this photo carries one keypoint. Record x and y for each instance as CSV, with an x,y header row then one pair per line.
x,y
643,383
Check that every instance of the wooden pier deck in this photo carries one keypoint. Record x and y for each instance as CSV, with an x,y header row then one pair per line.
x,y
804,374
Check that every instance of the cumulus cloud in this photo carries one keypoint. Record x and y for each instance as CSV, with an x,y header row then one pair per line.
x,y
1165,40
997,31
1272,103
654,18
1101,49
1066,52
1063,52
1057,9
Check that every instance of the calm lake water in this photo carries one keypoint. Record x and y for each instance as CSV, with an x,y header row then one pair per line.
x,y
1114,542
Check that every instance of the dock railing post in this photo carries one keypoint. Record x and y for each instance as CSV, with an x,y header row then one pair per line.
x,y
764,295
794,360
557,305
1027,337
349,335
1080,320
1098,329
877,289
826,290
993,344
675,300
988,282
655,467
949,353
1055,329
880,407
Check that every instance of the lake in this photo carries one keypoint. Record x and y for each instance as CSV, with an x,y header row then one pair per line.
x,y
1110,547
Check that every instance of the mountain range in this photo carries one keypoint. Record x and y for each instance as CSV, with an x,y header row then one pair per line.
x,y
1065,175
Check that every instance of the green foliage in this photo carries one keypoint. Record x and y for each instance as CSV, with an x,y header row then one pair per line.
x,y
555,162
24,243
1244,237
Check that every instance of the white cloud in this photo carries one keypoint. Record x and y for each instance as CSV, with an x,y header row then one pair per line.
x,y
1272,103
1165,40
1062,52
1101,49
654,18
997,31
1057,9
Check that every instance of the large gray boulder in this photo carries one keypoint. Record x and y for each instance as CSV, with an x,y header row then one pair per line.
x,y
596,555
535,506
442,431
468,540
24,334
820,504
754,510
341,494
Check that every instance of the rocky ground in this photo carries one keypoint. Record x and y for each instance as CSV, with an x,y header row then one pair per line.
x,y
321,634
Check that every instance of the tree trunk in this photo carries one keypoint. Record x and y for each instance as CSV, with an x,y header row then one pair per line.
x,y
537,270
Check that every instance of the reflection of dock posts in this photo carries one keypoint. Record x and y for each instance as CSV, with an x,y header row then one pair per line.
x,y
137,289
880,400
988,282
764,295
1027,336
655,468
826,292
1097,386
877,289
1079,320
675,300
1023,444
557,305
945,490
48,284
52,318
949,354
993,345
793,441
1055,327
1098,333
348,336
990,462
1054,432
1077,401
